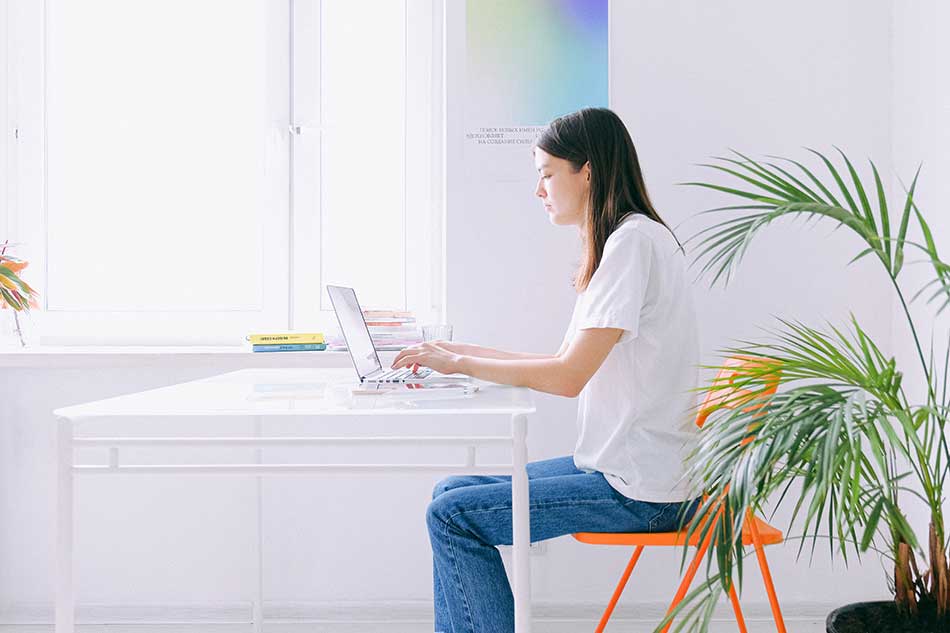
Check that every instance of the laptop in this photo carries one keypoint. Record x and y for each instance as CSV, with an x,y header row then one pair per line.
x,y
360,345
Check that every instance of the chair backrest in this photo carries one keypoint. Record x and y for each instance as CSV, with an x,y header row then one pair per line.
x,y
726,395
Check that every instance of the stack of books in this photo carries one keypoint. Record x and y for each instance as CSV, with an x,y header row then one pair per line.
x,y
288,342
391,330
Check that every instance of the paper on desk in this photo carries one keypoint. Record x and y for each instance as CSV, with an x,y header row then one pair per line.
x,y
417,391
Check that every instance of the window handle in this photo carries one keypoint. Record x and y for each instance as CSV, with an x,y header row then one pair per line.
x,y
300,130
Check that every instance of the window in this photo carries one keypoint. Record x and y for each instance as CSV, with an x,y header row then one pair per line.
x,y
210,165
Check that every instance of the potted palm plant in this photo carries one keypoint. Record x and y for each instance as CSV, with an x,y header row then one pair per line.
x,y
15,294
841,425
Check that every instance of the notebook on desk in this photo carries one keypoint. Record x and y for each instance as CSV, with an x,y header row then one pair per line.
x,y
362,351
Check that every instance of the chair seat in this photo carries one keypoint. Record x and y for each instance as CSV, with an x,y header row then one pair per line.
x,y
768,535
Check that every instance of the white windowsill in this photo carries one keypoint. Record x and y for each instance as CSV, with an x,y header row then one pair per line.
x,y
228,357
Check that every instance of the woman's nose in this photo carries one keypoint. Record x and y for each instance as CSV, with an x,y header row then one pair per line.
x,y
539,190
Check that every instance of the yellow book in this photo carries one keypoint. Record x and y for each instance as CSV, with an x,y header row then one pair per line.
x,y
286,337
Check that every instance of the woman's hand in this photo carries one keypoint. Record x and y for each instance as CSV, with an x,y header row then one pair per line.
x,y
436,355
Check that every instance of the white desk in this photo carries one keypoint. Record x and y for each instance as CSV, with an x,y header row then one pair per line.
x,y
273,393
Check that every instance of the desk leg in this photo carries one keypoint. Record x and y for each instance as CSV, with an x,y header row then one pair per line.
x,y
521,524
65,596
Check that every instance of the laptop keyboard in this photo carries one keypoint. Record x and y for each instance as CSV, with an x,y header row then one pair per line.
x,y
403,374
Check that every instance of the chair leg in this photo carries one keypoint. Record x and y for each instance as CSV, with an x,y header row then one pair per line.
x,y
766,576
688,578
619,589
737,609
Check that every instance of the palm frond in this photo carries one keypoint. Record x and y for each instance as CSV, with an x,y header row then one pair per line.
x,y
694,612
772,192
841,394
810,433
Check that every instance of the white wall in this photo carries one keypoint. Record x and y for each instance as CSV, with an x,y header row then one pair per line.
x,y
921,111
691,79
921,137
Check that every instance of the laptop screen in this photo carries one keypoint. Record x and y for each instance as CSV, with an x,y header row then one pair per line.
x,y
355,332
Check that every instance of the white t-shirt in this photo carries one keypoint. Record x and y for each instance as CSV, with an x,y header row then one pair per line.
x,y
636,415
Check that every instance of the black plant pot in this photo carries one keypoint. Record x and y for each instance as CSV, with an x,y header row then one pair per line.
x,y
881,617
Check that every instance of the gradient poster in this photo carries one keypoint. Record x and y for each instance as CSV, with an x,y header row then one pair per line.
x,y
530,61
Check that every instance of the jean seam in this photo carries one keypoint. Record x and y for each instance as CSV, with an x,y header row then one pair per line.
x,y
458,577
659,513
555,504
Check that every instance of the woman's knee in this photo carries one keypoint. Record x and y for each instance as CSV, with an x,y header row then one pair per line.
x,y
439,512
449,483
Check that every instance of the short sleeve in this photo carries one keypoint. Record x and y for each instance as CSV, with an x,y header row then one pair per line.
x,y
569,334
617,291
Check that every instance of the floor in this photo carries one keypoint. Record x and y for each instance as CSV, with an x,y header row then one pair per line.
x,y
798,626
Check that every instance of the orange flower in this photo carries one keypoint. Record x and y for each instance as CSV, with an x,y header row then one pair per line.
x,y
14,267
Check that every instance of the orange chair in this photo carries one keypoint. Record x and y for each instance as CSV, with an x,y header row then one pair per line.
x,y
755,531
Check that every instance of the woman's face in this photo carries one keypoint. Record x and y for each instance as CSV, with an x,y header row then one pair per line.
x,y
564,192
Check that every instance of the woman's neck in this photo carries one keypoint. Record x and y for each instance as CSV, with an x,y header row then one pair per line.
x,y
582,230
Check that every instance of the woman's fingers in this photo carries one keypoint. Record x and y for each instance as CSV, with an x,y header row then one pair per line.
x,y
408,359
404,354
408,353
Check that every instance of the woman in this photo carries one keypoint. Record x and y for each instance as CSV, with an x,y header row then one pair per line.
x,y
630,354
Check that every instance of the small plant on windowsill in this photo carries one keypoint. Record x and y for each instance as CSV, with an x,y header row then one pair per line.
x,y
15,293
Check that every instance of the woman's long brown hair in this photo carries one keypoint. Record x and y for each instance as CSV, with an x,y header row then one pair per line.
x,y
598,136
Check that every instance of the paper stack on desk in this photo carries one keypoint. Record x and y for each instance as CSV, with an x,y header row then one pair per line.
x,y
391,330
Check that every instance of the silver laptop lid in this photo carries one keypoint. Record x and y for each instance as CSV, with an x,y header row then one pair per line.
x,y
355,333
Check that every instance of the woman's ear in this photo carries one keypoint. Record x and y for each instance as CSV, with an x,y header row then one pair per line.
x,y
587,169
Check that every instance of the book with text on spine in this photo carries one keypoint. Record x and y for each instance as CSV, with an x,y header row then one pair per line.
x,y
291,347
286,337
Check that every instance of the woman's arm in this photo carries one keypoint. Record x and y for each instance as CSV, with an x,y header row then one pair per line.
x,y
563,375
477,351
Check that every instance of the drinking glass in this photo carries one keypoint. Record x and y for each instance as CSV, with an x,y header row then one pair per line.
x,y
437,332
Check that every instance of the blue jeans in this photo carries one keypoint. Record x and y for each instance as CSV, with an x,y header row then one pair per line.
x,y
470,515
